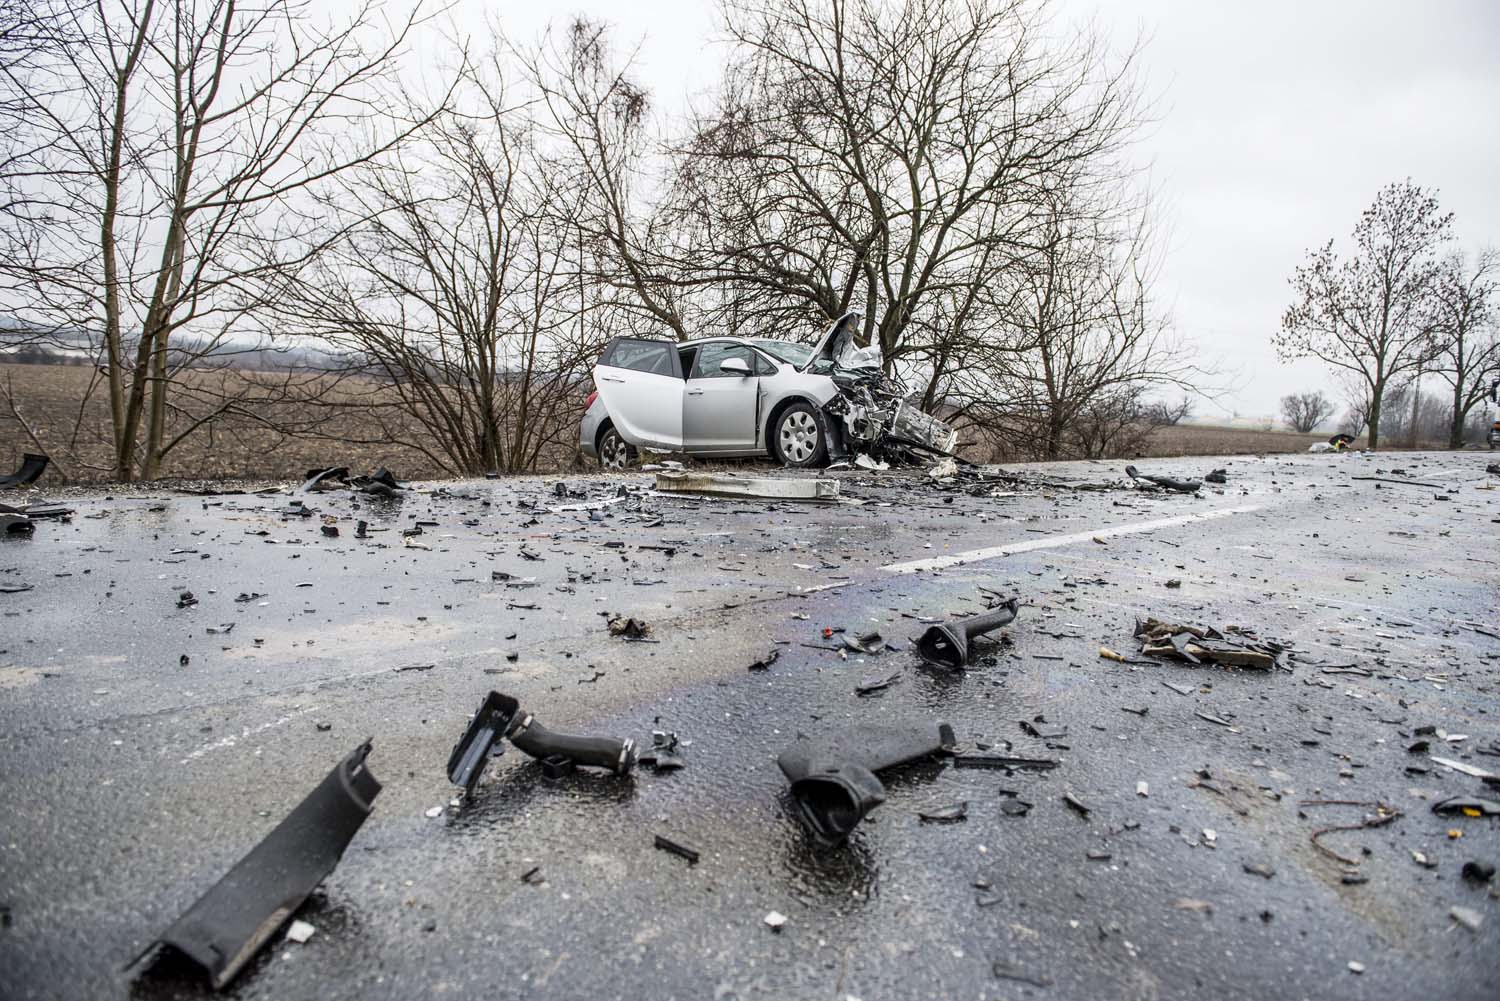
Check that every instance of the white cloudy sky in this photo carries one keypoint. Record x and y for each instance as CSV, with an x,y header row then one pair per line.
x,y
1276,122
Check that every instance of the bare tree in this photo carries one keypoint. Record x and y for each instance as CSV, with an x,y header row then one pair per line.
x,y
1372,314
451,284
169,136
1084,341
899,156
1470,357
1164,413
1305,411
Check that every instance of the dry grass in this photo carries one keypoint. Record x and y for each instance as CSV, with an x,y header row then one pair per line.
x,y
48,396
1194,439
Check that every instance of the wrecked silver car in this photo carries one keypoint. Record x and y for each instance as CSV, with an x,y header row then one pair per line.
x,y
732,396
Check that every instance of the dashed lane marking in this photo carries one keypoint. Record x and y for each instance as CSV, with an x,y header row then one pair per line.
x,y
1055,541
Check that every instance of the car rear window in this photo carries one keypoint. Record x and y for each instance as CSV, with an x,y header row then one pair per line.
x,y
640,356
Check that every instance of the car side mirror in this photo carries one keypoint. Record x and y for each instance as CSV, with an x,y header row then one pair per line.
x,y
735,366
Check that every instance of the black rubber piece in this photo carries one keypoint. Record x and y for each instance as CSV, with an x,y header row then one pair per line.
x,y
601,752
946,644
500,718
239,914
32,468
833,782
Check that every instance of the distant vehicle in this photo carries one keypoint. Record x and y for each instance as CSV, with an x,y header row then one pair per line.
x,y
732,396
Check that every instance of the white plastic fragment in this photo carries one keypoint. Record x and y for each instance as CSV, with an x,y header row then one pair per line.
x,y
299,932
1466,916
435,811
774,920
1142,789
1356,966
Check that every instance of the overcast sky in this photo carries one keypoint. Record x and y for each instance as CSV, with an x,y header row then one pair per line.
x,y
1276,123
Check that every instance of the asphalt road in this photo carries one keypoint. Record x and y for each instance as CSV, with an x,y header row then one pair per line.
x,y
131,780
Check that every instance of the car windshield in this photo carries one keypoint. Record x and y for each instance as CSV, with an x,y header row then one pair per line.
x,y
795,355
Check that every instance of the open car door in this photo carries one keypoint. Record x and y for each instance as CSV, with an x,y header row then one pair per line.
x,y
640,382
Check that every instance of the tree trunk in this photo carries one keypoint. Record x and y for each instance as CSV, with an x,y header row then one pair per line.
x,y
1374,429
1456,429
1416,408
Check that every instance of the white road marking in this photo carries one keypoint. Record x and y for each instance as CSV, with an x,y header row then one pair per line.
x,y
1054,541
1451,472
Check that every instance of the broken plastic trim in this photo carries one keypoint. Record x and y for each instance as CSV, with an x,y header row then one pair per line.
x,y
229,923
833,782
946,644
1165,482
500,718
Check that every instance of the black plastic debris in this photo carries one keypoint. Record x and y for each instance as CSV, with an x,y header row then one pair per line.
x,y
31,469
1467,806
16,524
325,479
676,848
186,599
500,718
664,753
1217,476
1165,482
833,783
331,531
240,913
764,664
1476,871
946,644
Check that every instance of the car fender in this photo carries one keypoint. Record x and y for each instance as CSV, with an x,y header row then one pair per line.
x,y
785,387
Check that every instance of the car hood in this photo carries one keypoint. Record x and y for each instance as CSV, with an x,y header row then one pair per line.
x,y
845,348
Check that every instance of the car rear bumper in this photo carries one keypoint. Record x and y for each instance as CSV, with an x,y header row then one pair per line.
x,y
588,429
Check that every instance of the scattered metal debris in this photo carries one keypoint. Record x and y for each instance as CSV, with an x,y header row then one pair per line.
x,y
1197,645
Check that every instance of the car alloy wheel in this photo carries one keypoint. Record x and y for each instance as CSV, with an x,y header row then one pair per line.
x,y
613,452
798,437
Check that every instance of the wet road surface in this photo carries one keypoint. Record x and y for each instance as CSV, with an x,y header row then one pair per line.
x,y
132,780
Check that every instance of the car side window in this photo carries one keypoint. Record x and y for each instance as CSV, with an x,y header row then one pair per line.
x,y
710,356
642,356
764,365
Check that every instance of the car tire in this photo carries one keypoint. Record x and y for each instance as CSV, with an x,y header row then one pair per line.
x,y
797,440
614,452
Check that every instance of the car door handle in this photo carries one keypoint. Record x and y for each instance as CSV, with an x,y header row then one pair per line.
x,y
610,378
695,392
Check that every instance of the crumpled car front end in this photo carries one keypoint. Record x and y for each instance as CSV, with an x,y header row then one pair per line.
x,y
872,412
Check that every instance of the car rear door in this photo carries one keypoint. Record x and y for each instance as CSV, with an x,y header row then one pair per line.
x,y
640,381
719,408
